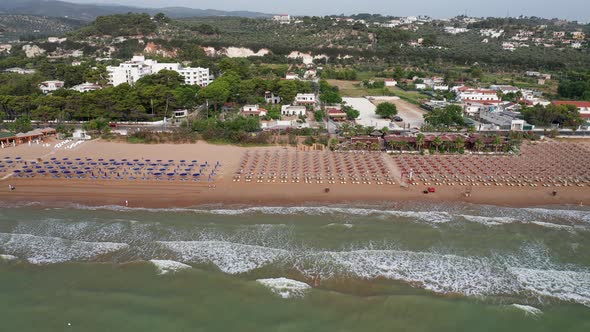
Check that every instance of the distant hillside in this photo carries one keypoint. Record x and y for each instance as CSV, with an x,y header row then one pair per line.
x,y
88,12
15,26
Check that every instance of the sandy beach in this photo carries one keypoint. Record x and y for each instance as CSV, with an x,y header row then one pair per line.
x,y
225,191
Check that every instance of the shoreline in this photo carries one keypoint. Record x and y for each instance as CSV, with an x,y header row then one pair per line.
x,y
96,193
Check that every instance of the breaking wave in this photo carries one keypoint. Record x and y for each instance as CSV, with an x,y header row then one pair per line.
x,y
231,258
528,309
7,258
167,266
47,250
285,288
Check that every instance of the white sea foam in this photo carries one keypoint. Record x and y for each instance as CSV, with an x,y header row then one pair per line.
x,y
167,266
47,250
428,216
528,309
338,225
7,257
577,215
489,221
231,258
285,288
564,285
436,272
495,221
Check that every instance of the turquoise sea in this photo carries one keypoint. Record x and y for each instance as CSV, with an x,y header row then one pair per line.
x,y
410,267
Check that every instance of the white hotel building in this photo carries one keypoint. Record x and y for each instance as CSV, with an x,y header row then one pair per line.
x,y
131,71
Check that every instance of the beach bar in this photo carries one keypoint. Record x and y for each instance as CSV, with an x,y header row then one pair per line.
x,y
8,139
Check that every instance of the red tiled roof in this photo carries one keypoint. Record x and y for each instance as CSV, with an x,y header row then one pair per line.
x,y
578,104
335,111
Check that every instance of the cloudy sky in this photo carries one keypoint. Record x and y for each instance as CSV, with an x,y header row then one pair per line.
x,y
568,9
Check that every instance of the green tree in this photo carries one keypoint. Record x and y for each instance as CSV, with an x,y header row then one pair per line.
x,y
479,145
449,116
437,142
497,142
319,115
420,141
351,113
22,124
288,89
96,75
100,125
161,18
386,110
459,143
217,93
331,97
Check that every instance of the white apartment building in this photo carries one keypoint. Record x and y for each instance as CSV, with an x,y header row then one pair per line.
x,y
131,71
50,86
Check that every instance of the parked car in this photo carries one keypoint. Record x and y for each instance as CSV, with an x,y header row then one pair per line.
x,y
397,119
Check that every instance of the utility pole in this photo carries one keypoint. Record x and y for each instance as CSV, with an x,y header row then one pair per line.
x,y
165,113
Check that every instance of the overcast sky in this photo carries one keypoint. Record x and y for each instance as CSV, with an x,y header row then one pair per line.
x,y
568,9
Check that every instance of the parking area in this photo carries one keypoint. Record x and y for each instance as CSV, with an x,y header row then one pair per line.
x,y
412,115
367,117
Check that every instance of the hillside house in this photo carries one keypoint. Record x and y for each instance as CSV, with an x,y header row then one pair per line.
x,y
253,110
291,76
21,71
282,18
336,114
86,87
271,98
390,82
50,86
582,106
305,99
289,110
465,94
578,35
